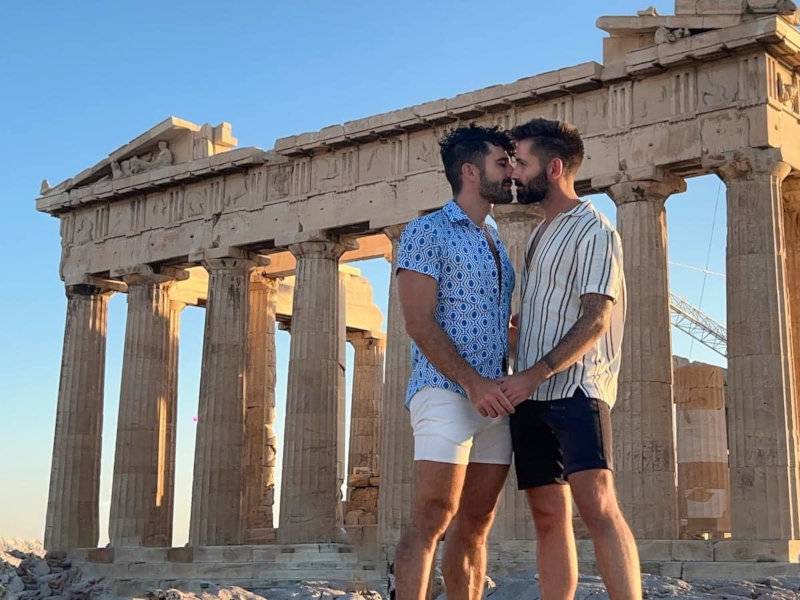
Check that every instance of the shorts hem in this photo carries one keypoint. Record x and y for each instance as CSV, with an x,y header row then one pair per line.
x,y
603,467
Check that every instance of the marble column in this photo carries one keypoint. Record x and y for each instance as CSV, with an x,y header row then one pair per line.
x,y
702,443
643,424
791,220
366,399
761,414
515,222
397,442
341,402
142,491
258,482
73,502
308,483
219,450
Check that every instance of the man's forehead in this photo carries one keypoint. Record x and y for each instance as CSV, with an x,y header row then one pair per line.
x,y
523,146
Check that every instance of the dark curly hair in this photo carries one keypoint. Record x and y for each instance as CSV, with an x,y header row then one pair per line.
x,y
469,145
553,139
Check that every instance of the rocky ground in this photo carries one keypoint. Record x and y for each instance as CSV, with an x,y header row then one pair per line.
x,y
26,575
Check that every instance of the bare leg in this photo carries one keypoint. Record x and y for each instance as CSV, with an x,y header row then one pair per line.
x,y
556,555
464,561
614,546
437,492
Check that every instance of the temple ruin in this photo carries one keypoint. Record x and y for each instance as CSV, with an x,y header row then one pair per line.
x,y
181,215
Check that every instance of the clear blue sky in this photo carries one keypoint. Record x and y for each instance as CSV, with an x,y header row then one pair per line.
x,y
79,79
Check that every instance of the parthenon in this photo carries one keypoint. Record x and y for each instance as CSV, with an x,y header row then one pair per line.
x,y
181,215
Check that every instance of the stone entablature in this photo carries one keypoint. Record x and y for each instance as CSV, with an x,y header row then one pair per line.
x,y
670,106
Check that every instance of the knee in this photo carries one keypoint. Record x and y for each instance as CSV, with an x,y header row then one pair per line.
x,y
600,513
432,517
550,517
473,525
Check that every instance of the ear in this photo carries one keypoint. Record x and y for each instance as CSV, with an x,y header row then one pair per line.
x,y
469,172
555,169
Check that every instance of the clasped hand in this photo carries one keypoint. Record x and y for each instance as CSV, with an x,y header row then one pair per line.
x,y
497,398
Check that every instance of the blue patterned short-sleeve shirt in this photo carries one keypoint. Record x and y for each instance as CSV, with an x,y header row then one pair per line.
x,y
471,308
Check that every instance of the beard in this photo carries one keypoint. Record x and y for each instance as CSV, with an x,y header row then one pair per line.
x,y
496,192
534,191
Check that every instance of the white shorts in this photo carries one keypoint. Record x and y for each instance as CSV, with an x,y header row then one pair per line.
x,y
448,429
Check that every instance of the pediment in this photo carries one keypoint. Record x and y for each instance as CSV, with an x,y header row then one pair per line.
x,y
172,141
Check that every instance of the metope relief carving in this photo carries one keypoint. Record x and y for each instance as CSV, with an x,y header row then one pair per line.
x,y
423,151
752,71
279,181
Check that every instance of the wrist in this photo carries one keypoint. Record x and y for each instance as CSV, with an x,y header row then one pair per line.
x,y
470,381
544,370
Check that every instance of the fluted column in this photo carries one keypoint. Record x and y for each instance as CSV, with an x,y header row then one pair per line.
x,y
366,399
643,424
791,219
258,481
142,491
397,440
702,442
341,402
515,222
308,482
219,449
72,507
761,413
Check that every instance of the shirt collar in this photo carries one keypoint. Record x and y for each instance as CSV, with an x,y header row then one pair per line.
x,y
454,212
578,210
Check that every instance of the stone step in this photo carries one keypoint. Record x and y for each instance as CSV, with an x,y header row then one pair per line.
x,y
308,557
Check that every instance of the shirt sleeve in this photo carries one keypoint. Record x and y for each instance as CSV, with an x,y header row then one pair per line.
x,y
419,249
600,264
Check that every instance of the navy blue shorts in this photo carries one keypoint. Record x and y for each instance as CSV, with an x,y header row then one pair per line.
x,y
555,438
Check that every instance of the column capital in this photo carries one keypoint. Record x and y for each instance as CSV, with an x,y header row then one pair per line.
x,y
646,190
87,289
393,232
260,276
149,275
517,213
331,248
365,338
749,164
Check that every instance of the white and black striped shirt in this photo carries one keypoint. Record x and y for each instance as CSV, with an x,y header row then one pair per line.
x,y
578,253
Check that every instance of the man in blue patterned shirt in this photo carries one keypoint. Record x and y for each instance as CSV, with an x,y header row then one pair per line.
x,y
455,282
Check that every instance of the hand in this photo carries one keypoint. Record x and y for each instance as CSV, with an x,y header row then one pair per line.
x,y
488,399
521,386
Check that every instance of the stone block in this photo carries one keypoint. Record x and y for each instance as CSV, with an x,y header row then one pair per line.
x,y
100,555
140,554
219,554
692,550
182,554
358,480
266,553
665,568
352,517
375,481
757,550
654,550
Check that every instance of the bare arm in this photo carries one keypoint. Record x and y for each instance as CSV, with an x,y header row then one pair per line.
x,y
417,294
594,320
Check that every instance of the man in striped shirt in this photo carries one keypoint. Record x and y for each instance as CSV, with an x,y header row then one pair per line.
x,y
568,355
